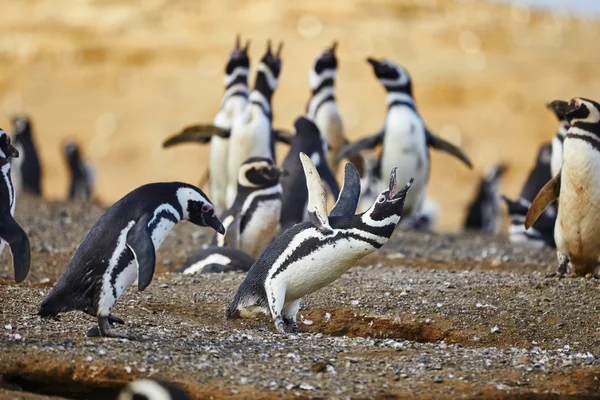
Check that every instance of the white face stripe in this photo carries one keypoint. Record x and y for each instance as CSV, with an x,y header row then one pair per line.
x,y
221,238
238,71
263,192
366,218
257,96
184,195
402,80
578,131
271,80
11,191
211,259
243,180
316,100
594,116
315,79
145,387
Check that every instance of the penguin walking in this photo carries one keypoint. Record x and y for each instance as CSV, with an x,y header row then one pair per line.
x,y
313,254
26,169
216,259
233,103
252,134
308,140
151,389
252,222
557,142
82,174
405,138
484,211
541,234
10,230
577,230
120,248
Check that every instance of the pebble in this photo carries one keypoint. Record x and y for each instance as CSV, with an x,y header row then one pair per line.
x,y
495,329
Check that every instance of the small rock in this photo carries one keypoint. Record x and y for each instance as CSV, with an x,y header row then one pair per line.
x,y
306,386
8,327
438,379
495,329
327,316
128,369
307,322
355,302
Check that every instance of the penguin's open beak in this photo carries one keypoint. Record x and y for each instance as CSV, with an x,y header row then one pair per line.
x,y
12,152
394,193
214,222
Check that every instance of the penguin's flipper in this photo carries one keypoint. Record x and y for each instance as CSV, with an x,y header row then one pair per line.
x,y
282,136
440,144
17,239
352,149
347,201
140,243
196,133
317,198
547,195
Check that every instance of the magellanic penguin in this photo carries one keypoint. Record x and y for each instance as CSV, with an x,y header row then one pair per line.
x,y
26,169
10,231
151,389
252,133
217,259
252,222
404,137
120,248
541,234
484,211
313,254
539,175
557,142
233,103
577,230
308,140
322,107
82,174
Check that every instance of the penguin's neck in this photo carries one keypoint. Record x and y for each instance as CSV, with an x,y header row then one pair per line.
x,y
236,84
585,128
323,91
400,99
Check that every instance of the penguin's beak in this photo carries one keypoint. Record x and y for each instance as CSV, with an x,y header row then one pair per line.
x,y
562,108
373,62
211,220
394,193
12,152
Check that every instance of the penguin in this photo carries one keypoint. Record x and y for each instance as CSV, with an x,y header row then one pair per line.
x,y
120,248
539,175
577,185
312,254
404,138
540,235
82,174
252,222
217,259
252,133
151,389
233,103
484,211
322,106
308,139
10,230
557,142
27,169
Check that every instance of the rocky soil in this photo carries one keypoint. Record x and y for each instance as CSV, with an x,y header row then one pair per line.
x,y
427,316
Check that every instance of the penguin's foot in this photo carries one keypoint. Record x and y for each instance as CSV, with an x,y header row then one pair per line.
x,y
103,330
558,274
280,325
291,325
115,320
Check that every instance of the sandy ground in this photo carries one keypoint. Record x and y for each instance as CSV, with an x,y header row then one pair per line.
x,y
427,316
121,75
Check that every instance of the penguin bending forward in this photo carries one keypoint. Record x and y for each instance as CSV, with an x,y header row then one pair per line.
x,y
121,247
27,170
313,254
577,230
151,389
405,138
252,222
82,174
216,260
10,230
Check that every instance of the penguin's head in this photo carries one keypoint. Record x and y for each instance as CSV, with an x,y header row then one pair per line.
x,y
21,126
272,61
238,58
390,202
577,110
149,389
258,173
517,208
197,208
391,75
324,68
6,148
72,153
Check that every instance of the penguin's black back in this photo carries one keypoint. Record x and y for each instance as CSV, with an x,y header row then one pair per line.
x,y
539,175
81,283
31,170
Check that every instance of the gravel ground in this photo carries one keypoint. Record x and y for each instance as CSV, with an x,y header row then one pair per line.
x,y
428,316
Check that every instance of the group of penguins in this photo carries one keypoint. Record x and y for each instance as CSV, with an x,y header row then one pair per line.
x,y
274,222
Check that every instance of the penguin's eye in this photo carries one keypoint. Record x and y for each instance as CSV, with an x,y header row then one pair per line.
x,y
206,208
381,199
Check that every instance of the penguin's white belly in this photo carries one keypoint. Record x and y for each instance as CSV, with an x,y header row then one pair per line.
x,y
2,244
578,225
321,267
329,122
556,158
219,149
262,228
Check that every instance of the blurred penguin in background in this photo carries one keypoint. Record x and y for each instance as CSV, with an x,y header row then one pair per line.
x,y
27,172
484,211
82,174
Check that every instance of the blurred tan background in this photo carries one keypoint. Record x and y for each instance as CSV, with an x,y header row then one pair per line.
x,y
120,76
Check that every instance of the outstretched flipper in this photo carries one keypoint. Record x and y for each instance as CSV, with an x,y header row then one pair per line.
x,y
196,133
18,241
440,144
140,243
547,195
317,199
348,199
282,136
352,149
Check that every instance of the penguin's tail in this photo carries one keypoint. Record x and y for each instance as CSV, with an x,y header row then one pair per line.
x,y
232,311
55,302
